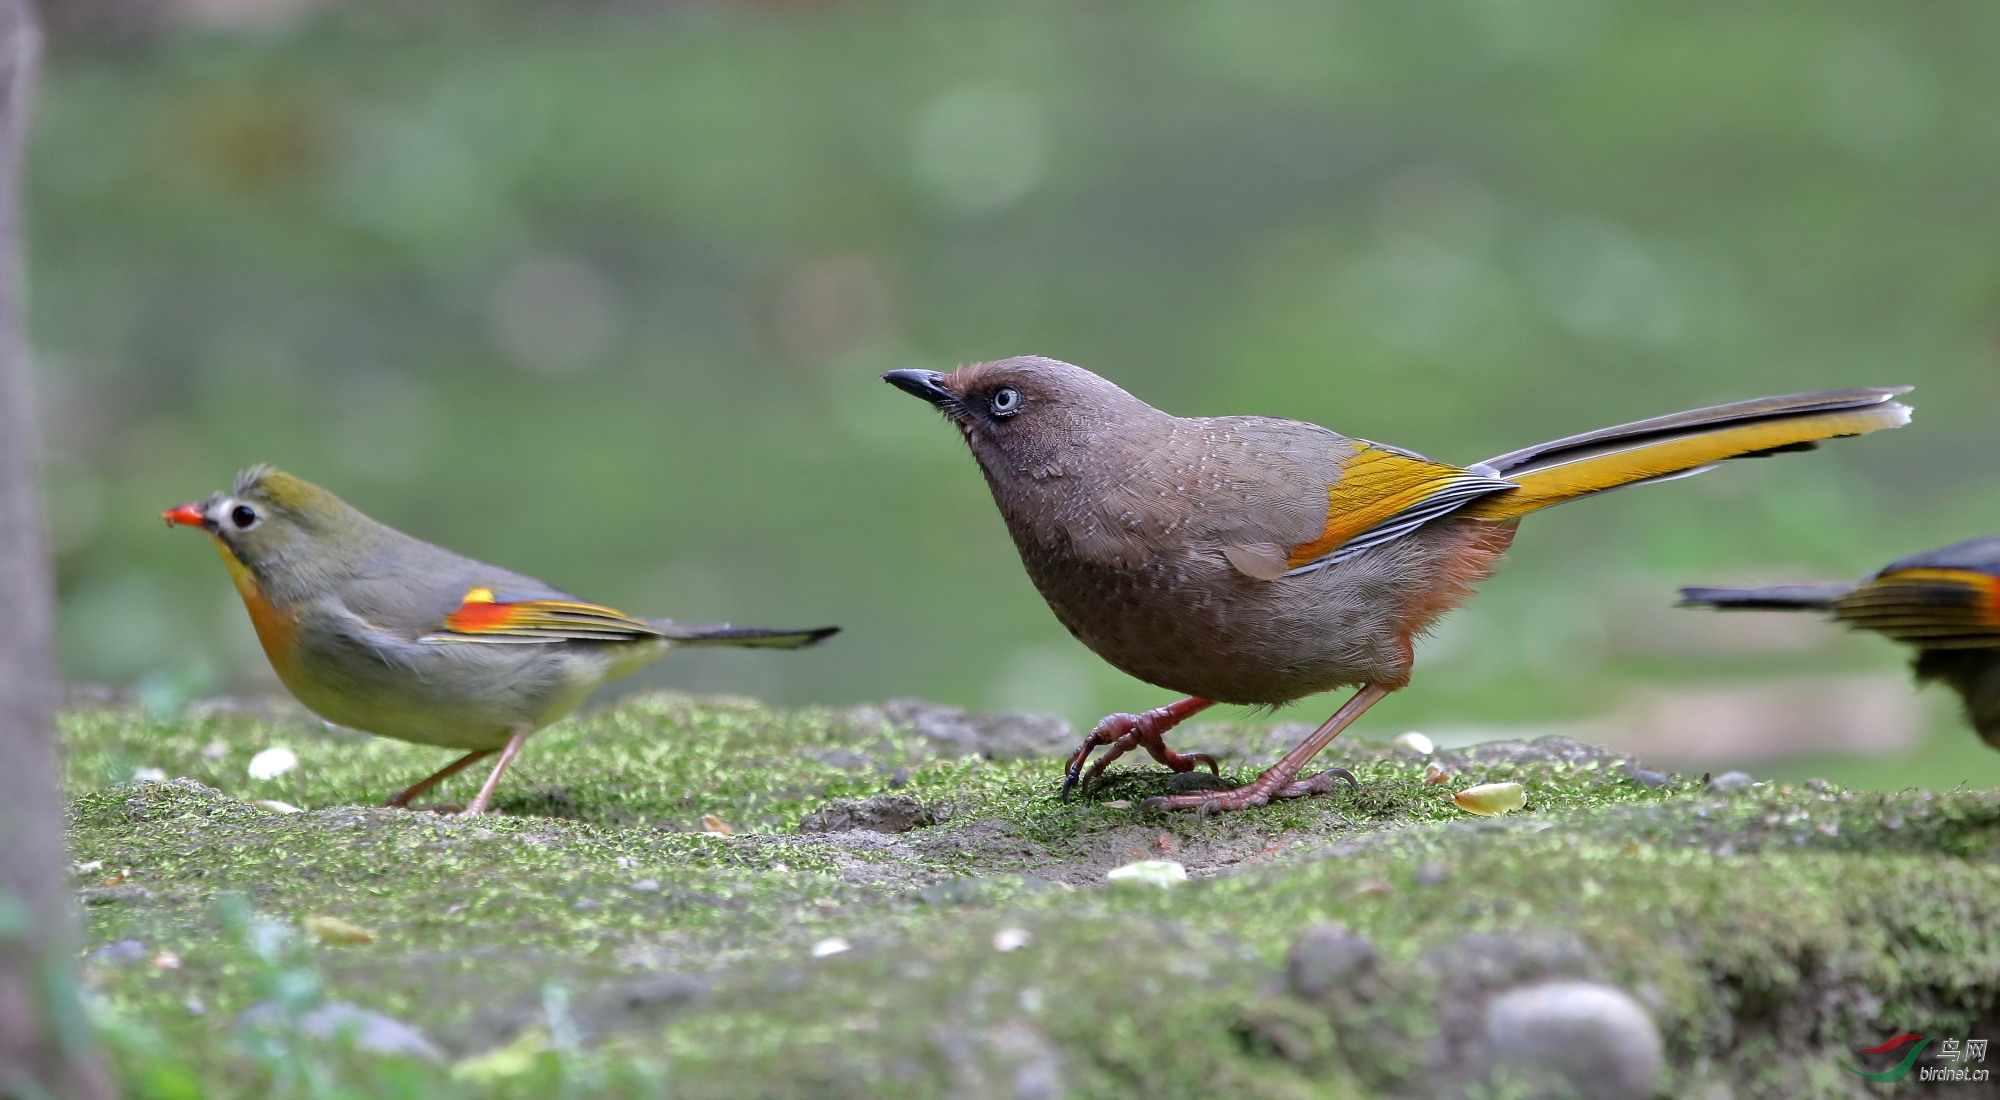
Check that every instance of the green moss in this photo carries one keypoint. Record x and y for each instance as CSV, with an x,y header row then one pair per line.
x,y
1769,930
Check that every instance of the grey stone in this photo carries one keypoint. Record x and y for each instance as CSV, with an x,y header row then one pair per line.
x,y
884,813
666,992
1584,1038
1010,1061
1482,962
1560,750
152,801
844,759
112,895
122,953
368,1030
1327,957
994,736
1650,779
1730,782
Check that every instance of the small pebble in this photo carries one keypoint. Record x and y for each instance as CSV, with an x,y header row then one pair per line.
x,y
1648,779
1325,957
1435,772
1592,1039
369,1031
1117,804
275,806
1490,799
122,953
1152,872
832,945
713,824
646,886
882,813
1011,939
166,960
1730,782
272,763
149,775
1414,742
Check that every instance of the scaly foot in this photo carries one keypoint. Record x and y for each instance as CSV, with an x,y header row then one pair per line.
x,y
1125,732
1256,793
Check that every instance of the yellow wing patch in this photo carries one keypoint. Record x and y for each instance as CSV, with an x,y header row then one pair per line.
x,y
482,617
1934,608
1380,484
1624,462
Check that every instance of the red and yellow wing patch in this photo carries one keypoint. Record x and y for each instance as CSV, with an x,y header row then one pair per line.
x,y
483,618
1385,493
1932,608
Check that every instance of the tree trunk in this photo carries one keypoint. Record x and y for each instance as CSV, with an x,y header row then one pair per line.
x,y
45,1047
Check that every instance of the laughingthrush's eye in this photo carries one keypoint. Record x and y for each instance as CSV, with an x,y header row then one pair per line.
x,y
243,516
1005,401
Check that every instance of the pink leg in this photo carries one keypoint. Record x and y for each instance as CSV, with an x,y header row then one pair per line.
x,y
1125,732
1281,779
401,799
507,755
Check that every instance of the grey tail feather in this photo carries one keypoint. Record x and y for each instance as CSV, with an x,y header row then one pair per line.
x,y
1770,597
724,634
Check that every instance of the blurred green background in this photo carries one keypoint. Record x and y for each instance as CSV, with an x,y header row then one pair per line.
x,y
600,291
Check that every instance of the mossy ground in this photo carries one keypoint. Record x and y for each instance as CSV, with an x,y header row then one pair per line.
x,y
590,940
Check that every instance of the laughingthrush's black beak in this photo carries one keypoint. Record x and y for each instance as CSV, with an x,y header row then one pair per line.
x,y
927,384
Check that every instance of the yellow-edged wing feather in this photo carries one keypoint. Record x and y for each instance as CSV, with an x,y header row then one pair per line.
x,y
483,618
1933,608
1385,493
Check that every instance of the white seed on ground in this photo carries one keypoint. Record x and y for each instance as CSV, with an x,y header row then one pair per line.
x,y
273,762
1152,872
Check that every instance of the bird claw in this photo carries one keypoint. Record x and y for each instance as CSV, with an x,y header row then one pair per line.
x,y
1123,733
1318,784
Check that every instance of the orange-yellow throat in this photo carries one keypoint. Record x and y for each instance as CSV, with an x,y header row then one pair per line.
x,y
273,623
